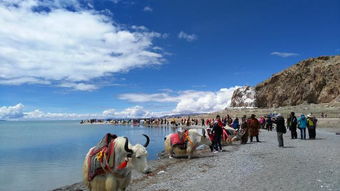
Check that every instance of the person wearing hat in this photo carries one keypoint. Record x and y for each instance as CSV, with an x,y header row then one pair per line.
x,y
280,128
311,125
254,127
292,123
244,130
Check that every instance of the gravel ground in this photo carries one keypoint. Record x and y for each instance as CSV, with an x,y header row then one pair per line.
x,y
301,165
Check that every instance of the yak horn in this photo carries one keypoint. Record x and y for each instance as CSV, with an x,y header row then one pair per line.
x,y
203,132
126,146
147,140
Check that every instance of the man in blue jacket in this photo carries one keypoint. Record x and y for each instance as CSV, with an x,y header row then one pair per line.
x,y
302,124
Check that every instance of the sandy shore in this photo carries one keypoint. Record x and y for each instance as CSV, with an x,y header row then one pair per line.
x,y
301,165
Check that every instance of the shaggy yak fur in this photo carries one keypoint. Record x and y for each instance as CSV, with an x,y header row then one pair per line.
x,y
122,177
196,138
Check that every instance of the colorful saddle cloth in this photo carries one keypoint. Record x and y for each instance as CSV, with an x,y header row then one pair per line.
x,y
179,140
95,160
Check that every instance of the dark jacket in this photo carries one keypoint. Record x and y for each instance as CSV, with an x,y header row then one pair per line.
x,y
269,121
292,122
280,125
217,128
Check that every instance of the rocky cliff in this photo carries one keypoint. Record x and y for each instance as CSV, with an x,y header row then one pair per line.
x,y
243,97
315,80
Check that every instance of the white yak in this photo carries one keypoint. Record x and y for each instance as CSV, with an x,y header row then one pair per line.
x,y
119,179
195,140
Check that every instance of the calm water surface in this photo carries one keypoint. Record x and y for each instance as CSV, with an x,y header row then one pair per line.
x,y
43,155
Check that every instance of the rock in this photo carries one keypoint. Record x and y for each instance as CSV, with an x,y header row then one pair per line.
x,y
161,172
314,80
243,97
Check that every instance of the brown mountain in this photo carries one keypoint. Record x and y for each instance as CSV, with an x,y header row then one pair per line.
x,y
315,80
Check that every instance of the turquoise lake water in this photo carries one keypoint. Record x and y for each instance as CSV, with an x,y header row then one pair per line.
x,y
43,155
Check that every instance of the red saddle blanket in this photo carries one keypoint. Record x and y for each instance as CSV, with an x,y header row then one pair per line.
x,y
104,147
176,139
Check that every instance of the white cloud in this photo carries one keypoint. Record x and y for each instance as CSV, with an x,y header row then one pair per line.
x,y
40,115
130,112
141,97
109,112
79,86
284,54
11,112
187,37
189,101
133,112
17,112
67,48
147,9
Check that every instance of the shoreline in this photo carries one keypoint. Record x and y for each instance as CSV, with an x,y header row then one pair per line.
x,y
167,167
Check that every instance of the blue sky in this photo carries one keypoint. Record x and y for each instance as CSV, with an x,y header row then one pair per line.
x,y
128,58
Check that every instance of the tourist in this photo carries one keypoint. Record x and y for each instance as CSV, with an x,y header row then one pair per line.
x,y
225,121
244,130
229,120
236,124
292,123
269,123
311,125
280,128
217,131
302,125
254,127
188,123
262,121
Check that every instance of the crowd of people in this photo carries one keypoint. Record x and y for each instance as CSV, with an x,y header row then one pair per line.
x,y
249,127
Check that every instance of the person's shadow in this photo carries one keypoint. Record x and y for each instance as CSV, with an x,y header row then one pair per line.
x,y
317,138
289,147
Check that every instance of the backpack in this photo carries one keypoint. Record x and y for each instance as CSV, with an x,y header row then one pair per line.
x,y
310,123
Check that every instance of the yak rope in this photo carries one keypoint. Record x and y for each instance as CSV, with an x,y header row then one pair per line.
x,y
106,166
187,137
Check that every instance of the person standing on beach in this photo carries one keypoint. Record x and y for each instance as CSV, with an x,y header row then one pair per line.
x,y
236,124
311,125
280,128
269,123
292,123
244,130
254,127
262,121
302,124
217,131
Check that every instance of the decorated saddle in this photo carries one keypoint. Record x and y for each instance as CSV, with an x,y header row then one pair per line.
x,y
105,147
179,139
